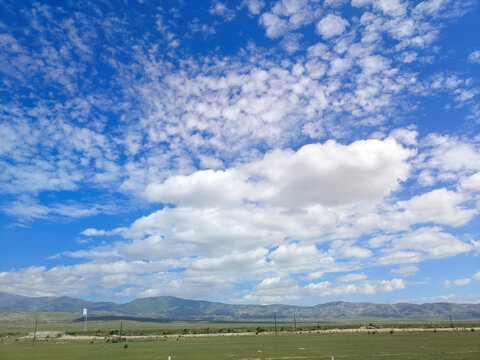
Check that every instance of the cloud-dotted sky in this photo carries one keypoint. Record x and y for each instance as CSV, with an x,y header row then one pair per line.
x,y
293,151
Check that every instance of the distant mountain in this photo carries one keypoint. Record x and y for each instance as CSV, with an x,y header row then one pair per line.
x,y
12,302
172,308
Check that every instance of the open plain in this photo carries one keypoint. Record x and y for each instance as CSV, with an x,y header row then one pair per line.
x,y
191,341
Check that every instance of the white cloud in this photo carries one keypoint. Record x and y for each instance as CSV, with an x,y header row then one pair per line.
x,y
298,12
254,6
471,183
401,257
430,7
294,258
451,298
276,286
439,206
339,66
379,241
267,201
373,64
388,7
346,249
331,25
264,300
457,282
432,241
474,57
462,282
220,9
28,209
314,275
316,173
407,136
236,262
408,270
335,3
368,288
291,42
202,188
75,280
476,276
352,277
447,155
95,232
285,16
275,26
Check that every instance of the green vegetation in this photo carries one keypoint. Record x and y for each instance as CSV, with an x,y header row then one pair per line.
x,y
381,346
21,324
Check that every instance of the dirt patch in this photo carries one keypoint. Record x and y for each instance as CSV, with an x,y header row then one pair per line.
x,y
43,334
330,331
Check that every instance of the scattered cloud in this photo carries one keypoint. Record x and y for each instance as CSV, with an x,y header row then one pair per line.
x,y
220,9
368,287
352,277
474,57
331,25
303,147
254,6
408,270
457,282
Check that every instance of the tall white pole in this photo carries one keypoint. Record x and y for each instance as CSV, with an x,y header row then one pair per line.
x,y
85,314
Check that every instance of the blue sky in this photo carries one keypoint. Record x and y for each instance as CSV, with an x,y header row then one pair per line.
x,y
241,151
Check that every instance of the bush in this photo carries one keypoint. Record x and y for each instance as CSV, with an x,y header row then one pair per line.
x,y
117,340
125,346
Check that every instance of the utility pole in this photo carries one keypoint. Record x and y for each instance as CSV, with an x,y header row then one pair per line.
x,y
451,322
35,332
121,327
295,323
276,325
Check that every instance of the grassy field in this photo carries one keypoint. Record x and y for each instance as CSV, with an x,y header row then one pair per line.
x,y
259,345
20,324
454,345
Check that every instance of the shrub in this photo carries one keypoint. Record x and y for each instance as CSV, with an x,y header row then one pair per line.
x,y
118,340
125,346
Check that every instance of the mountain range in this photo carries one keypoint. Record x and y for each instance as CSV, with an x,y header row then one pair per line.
x,y
172,308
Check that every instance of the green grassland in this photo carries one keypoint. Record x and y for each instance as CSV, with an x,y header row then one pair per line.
x,y
183,340
397,345
20,324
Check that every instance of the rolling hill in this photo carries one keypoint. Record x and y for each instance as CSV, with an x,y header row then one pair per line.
x,y
172,308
